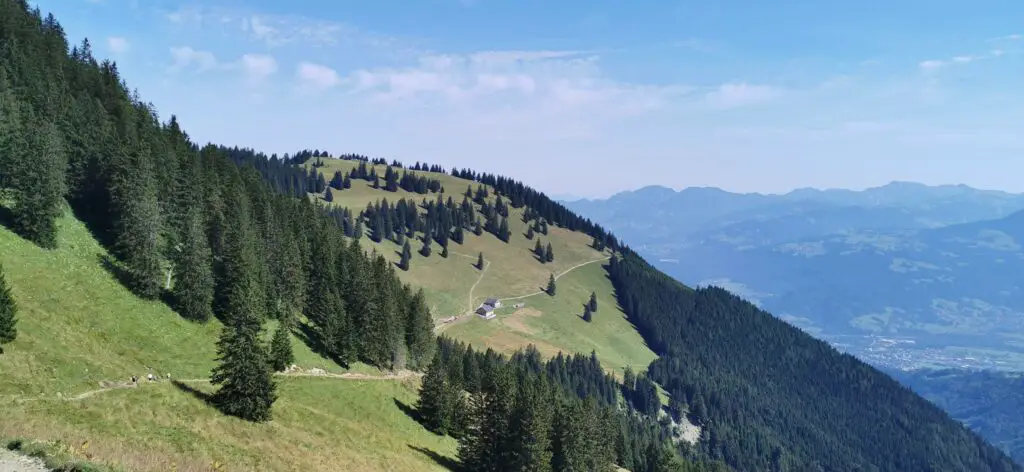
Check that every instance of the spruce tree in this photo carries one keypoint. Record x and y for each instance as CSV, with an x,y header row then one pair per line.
x,y
38,176
530,426
406,256
529,232
444,251
551,285
243,374
425,250
281,355
137,214
434,405
487,444
480,261
538,250
8,312
503,231
419,331
193,286
586,313
549,254
593,301
328,195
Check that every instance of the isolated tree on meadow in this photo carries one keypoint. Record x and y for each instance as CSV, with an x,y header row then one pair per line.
x,y
8,312
538,249
587,315
529,232
328,195
593,301
551,285
406,256
549,254
425,250
480,261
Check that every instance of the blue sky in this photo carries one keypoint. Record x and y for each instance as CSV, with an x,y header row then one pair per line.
x,y
593,97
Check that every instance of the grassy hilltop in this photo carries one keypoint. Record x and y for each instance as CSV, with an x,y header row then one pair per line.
x,y
455,287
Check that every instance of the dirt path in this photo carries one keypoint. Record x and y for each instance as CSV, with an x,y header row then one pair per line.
x,y
107,386
557,276
440,326
11,461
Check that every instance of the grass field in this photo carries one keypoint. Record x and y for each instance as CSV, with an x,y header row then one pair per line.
x,y
555,323
78,326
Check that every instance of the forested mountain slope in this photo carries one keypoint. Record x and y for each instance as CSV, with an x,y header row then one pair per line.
x,y
239,245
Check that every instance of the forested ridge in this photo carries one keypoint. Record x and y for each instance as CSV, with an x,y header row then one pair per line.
x,y
231,233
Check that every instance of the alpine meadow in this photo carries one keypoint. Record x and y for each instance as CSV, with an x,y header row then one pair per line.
x,y
171,305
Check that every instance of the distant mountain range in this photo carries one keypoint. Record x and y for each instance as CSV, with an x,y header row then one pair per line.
x,y
905,275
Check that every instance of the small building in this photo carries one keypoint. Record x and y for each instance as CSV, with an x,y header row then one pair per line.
x,y
518,305
486,311
494,302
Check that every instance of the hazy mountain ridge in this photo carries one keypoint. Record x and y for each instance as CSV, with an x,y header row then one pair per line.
x,y
931,262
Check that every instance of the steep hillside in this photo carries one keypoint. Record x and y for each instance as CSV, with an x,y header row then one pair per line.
x,y
81,335
232,241
991,403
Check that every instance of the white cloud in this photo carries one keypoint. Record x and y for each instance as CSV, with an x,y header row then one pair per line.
x,y
117,45
317,76
258,66
732,95
933,65
185,57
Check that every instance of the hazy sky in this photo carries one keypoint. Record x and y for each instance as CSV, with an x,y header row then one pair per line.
x,y
590,97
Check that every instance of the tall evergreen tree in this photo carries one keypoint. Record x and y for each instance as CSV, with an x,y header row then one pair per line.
x,y
551,285
549,254
480,261
8,312
243,374
419,331
137,211
38,178
487,444
530,426
529,232
406,256
538,250
328,195
193,286
434,405
425,250
444,251
587,315
593,301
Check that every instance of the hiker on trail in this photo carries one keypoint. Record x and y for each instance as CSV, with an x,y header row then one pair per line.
x,y
150,376
135,379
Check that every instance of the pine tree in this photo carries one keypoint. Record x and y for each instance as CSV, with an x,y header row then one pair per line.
x,y
419,331
434,405
246,387
480,261
444,251
281,355
38,181
549,254
586,313
137,229
530,427
406,256
8,312
503,231
551,285
538,250
487,444
328,195
193,286
529,232
425,250
593,302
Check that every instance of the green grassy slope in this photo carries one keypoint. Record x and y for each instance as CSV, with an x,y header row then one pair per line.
x,y
512,272
79,327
